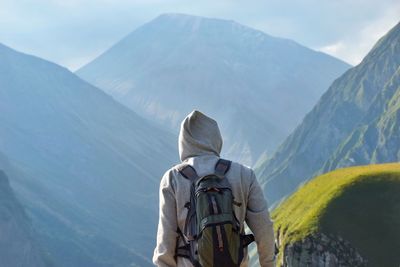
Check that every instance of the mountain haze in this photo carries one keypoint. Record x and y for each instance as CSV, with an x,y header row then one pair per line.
x,y
18,246
355,122
256,86
86,168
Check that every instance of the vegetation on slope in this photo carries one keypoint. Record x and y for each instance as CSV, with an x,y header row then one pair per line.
x,y
360,204
354,123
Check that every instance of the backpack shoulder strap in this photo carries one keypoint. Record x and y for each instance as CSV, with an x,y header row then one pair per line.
x,y
188,172
222,167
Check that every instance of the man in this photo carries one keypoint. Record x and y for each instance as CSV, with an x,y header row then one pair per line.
x,y
200,144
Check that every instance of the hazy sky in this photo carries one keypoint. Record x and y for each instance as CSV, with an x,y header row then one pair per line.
x,y
72,32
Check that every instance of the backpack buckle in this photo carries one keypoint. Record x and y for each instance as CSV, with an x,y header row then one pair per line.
x,y
190,238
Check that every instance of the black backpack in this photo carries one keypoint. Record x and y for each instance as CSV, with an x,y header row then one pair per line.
x,y
212,236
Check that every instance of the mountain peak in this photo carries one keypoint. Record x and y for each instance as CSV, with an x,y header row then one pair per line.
x,y
179,17
204,58
386,44
175,16
179,22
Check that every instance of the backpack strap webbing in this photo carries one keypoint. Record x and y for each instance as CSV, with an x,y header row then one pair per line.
x,y
247,239
222,167
188,172
181,251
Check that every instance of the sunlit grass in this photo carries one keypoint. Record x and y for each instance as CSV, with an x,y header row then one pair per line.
x,y
333,203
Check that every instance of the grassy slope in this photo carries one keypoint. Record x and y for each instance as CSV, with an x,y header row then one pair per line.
x,y
362,204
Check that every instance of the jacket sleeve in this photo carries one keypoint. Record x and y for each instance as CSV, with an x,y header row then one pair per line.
x,y
260,223
167,225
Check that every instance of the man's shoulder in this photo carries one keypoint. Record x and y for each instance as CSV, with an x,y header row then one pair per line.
x,y
171,171
235,167
175,168
244,169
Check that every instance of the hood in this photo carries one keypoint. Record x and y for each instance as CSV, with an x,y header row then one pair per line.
x,y
199,135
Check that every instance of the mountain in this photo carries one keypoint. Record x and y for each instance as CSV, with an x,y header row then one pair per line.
x,y
377,138
18,246
355,122
256,86
348,217
85,167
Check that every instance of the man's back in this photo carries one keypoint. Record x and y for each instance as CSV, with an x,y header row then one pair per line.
x,y
200,144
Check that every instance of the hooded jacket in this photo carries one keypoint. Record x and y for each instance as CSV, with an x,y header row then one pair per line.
x,y
200,144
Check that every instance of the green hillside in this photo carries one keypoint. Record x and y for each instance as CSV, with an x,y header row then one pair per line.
x,y
376,139
361,204
356,122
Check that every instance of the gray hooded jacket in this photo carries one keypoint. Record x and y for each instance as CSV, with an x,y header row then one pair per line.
x,y
200,144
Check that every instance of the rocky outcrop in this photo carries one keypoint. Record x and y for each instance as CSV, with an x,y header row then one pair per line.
x,y
347,217
320,250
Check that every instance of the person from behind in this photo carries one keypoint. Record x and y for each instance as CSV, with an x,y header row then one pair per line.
x,y
204,203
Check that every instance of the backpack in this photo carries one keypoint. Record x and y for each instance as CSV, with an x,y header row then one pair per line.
x,y
211,236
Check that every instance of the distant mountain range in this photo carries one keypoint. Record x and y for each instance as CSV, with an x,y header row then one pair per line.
x,y
258,87
348,217
86,168
355,122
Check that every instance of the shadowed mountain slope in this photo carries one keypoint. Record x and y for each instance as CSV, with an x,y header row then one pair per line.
x,y
88,168
18,246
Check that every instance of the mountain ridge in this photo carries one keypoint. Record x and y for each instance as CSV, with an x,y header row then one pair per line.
x,y
339,111
82,163
172,65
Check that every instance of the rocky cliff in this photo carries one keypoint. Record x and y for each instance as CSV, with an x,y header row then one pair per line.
x,y
348,217
323,251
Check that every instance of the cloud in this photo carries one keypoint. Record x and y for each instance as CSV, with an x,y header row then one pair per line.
x,y
70,32
334,49
355,45
74,63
